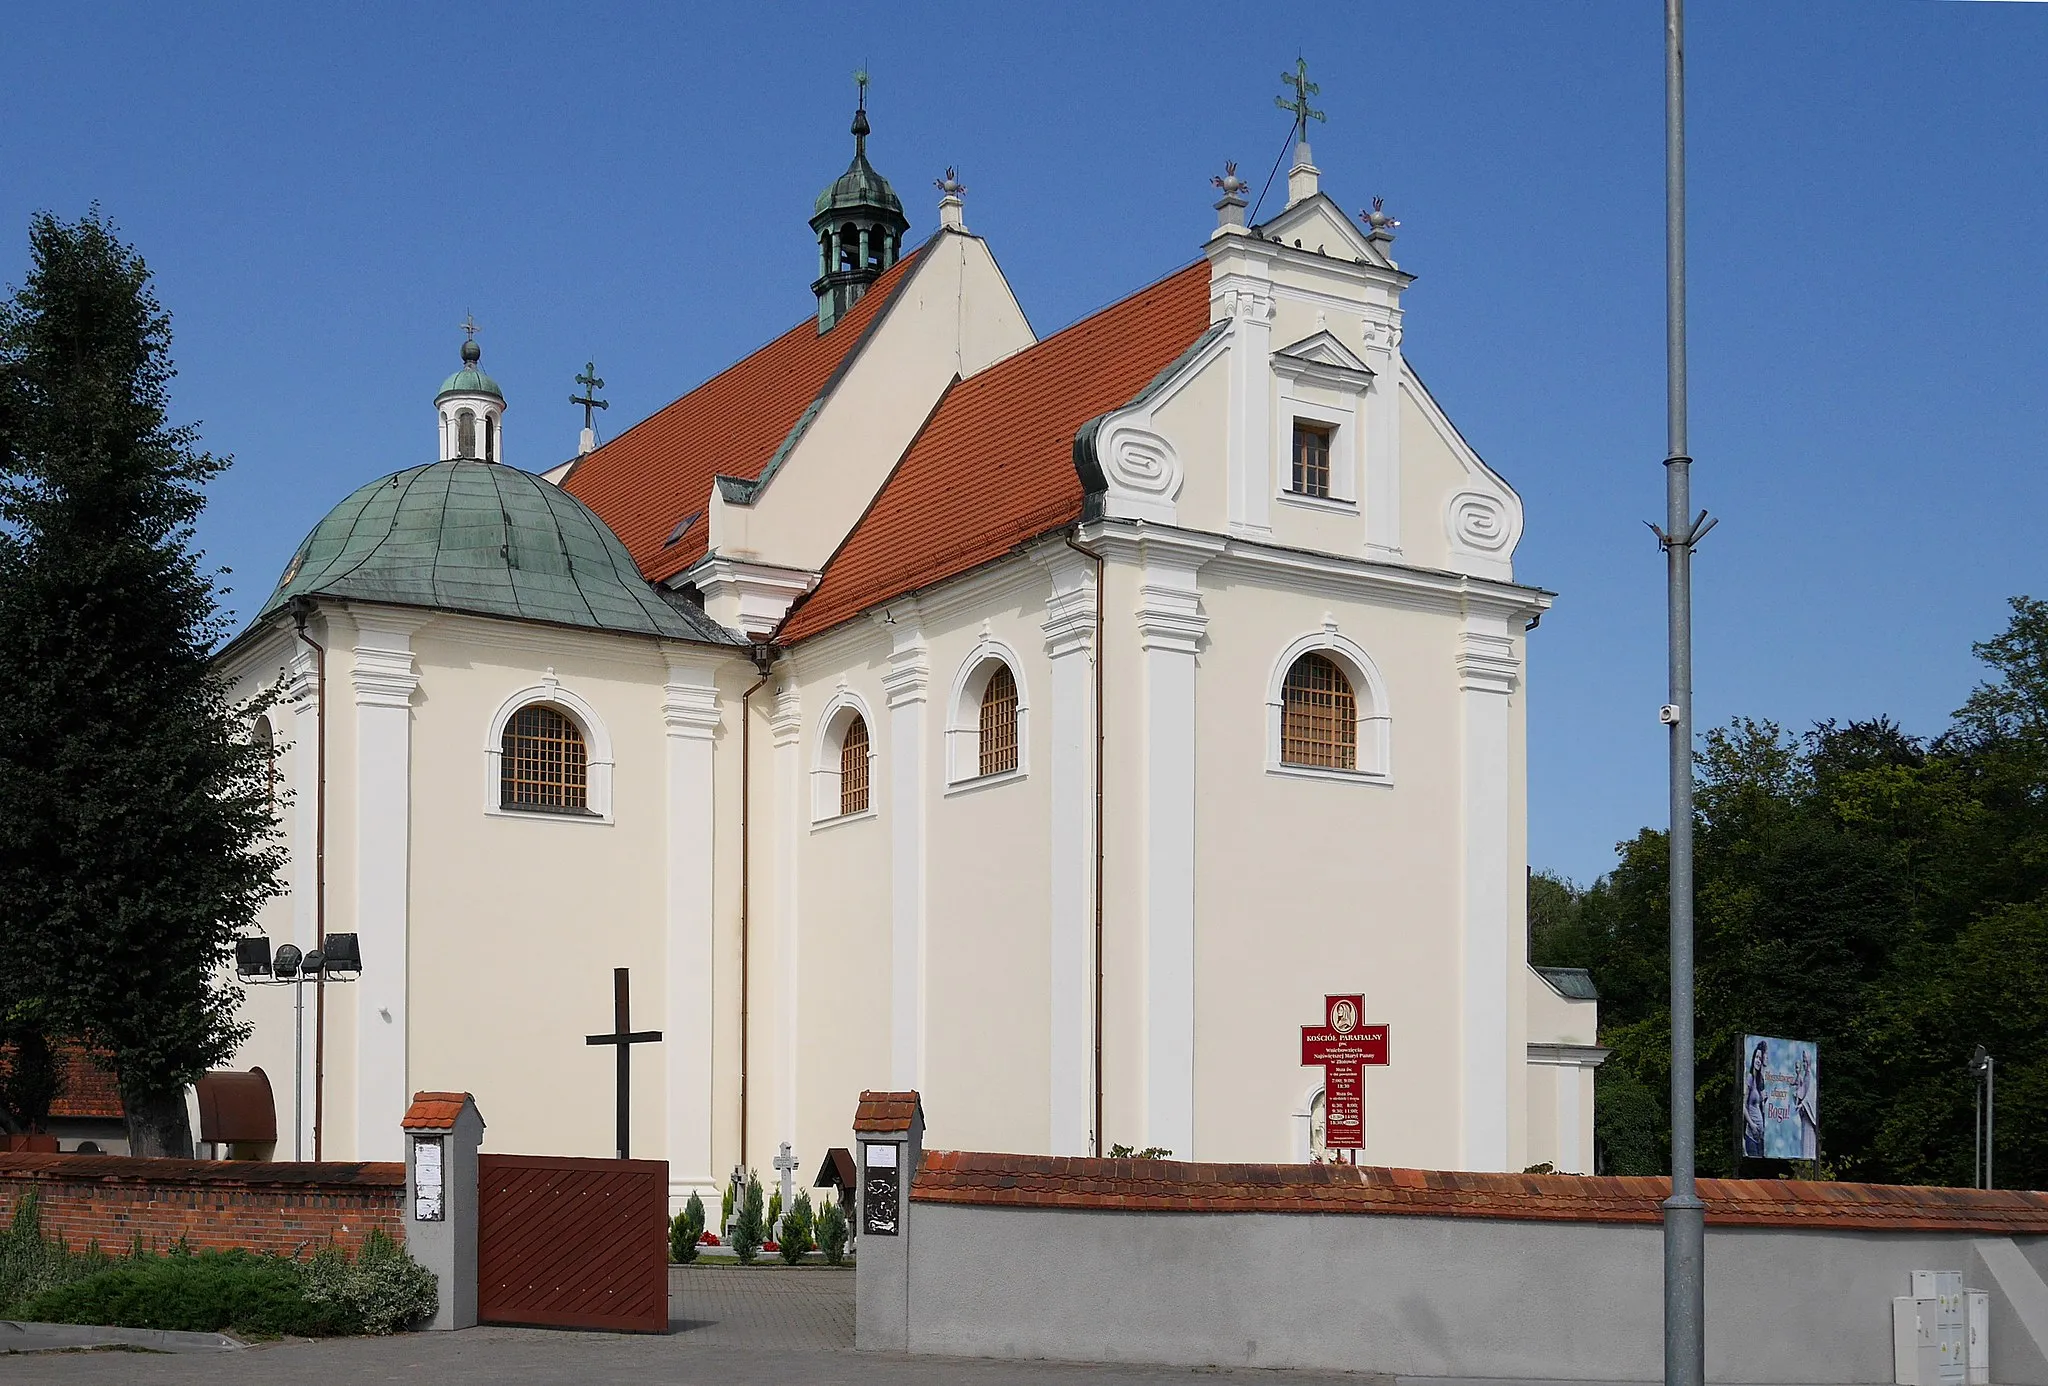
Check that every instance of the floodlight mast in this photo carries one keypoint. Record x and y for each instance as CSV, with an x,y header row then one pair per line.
x,y
1685,1341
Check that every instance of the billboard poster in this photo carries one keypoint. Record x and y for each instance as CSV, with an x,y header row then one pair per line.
x,y
1780,1099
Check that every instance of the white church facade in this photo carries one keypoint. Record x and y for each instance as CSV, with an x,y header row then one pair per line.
x,y
1045,725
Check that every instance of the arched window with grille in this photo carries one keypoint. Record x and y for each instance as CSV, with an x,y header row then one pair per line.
x,y
999,722
853,767
544,763
1319,715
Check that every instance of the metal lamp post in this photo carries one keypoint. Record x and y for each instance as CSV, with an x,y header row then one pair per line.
x,y
340,961
1685,1340
1985,1069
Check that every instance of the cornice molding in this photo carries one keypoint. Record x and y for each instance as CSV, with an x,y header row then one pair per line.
x,y
1574,1055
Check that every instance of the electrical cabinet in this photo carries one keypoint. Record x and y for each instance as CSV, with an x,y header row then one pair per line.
x,y
1977,1349
1915,1359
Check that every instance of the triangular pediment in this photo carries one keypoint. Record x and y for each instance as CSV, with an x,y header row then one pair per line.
x,y
1324,349
1319,226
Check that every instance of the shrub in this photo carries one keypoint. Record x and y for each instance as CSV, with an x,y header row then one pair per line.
x,y
749,1229
202,1292
775,1213
832,1231
725,1210
796,1230
1150,1152
685,1233
381,1291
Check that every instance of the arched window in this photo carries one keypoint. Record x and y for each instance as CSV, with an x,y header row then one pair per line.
x,y
1319,716
849,246
543,766
465,433
999,723
853,767
490,438
264,737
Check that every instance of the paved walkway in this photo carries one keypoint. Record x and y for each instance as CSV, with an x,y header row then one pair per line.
x,y
729,1326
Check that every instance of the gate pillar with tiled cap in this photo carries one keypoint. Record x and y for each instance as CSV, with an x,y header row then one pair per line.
x,y
442,1133
888,1139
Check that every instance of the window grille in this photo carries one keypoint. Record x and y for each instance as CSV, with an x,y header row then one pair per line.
x,y
1311,459
1319,716
544,762
853,767
999,723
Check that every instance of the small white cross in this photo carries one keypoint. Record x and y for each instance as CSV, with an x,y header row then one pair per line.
x,y
785,1161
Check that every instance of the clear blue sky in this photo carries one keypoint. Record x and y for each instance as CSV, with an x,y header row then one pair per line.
x,y
323,191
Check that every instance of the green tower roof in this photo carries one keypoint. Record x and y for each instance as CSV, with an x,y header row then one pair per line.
x,y
489,540
470,381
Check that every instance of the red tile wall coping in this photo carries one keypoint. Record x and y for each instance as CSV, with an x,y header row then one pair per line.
x,y
1158,1186
434,1111
289,1208
885,1111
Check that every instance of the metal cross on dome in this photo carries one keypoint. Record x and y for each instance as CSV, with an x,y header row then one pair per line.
x,y
1303,90
469,324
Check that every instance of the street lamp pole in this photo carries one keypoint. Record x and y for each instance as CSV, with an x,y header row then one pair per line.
x,y
1685,1344
340,961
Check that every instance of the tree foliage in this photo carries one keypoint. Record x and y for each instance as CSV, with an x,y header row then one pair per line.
x,y
136,827
1881,894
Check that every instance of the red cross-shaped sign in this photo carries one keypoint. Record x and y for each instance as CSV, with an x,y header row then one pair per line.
x,y
1343,1046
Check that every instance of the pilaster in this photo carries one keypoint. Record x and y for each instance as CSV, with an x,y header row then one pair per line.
x,y
907,685
1170,626
302,695
1488,673
1070,616
383,680
691,716
1382,405
1246,298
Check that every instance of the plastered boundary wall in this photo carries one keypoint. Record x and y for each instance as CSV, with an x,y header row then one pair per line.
x,y
1433,1274
287,1208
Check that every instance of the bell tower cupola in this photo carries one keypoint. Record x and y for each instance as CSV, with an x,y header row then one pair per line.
x,y
471,407
859,224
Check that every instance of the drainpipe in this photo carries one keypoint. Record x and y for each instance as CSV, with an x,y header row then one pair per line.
x,y
302,608
1095,1135
763,656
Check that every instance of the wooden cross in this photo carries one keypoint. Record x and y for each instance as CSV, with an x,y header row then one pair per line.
x,y
591,385
1303,90
1343,1046
625,1037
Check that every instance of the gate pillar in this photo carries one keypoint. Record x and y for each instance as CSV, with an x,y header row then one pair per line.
x,y
888,1139
442,1133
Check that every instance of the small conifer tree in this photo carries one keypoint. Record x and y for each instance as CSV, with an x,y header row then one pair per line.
x,y
686,1231
750,1229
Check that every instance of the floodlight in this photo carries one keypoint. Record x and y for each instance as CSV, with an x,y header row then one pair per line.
x,y
310,965
344,955
286,965
1979,1061
252,958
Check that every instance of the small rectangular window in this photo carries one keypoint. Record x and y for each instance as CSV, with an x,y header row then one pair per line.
x,y
1311,459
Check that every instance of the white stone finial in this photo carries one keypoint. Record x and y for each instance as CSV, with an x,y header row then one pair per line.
x,y
1304,178
1230,207
951,209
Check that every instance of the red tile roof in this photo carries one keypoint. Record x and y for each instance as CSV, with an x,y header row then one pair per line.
x,y
660,471
994,465
88,1088
125,1169
1051,1181
885,1111
434,1111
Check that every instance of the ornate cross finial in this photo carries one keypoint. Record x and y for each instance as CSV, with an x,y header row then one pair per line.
x,y
1377,219
860,79
591,384
1232,185
469,324
950,185
1303,90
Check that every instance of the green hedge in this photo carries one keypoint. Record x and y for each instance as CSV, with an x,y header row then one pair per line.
x,y
378,1290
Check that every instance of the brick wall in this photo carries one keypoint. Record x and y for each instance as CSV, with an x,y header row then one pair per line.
x,y
279,1207
1176,1186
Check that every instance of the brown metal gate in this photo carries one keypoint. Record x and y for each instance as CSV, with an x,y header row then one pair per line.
x,y
565,1243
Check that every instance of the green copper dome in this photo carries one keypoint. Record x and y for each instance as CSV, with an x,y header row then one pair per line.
x,y
860,188
470,380
489,540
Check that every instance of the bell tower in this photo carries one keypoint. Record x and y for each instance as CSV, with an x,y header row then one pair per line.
x,y
859,223
471,408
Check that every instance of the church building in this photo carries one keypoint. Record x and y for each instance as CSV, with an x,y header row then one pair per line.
x,y
1048,724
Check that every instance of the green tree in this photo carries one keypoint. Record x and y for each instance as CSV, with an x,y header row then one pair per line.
x,y
750,1228
136,832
